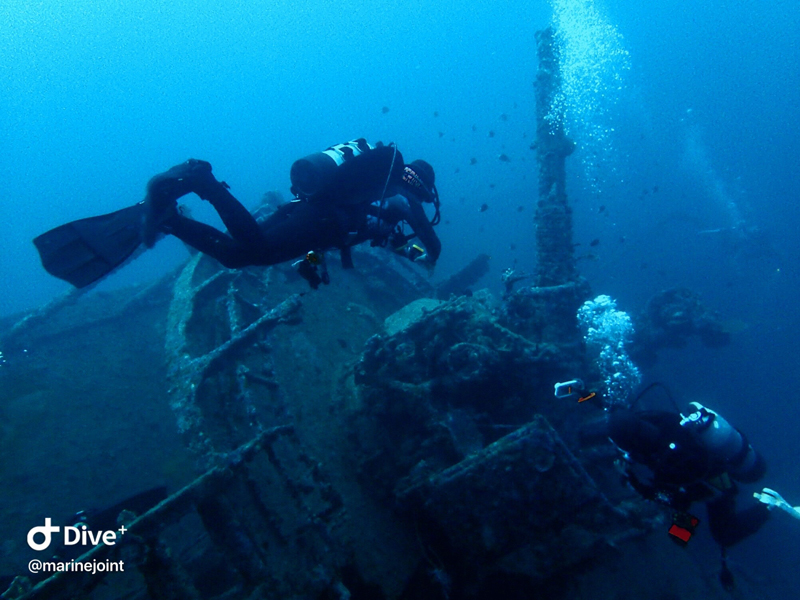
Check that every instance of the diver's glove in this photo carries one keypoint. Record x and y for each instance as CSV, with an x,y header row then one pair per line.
x,y
774,500
425,261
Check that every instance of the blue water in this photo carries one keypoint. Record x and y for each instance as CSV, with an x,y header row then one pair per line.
x,y
694,128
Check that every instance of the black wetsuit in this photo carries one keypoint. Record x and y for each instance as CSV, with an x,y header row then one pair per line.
x,y
336,218
682,472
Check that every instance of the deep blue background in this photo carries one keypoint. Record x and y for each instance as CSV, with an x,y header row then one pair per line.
x,y
96,98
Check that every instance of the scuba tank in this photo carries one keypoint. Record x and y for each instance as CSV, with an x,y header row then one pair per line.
x,y
726,444
311,174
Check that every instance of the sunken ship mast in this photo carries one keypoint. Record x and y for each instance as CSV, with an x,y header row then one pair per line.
x,y
546,312
553,219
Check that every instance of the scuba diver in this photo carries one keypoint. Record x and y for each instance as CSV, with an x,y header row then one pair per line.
x,y
678,460
346,195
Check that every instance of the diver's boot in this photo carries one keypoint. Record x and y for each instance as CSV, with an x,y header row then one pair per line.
x,y
164,189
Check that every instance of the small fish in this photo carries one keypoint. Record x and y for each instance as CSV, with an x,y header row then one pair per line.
x,y
458,170
594,242
462,200
474,128
491,185
515,105
622,239
436,113
520,208
441,134
532,146
447,222
655,189
504,117
512,247
473,161
491,134
484,207
504,158
643,266
602,208
385,109
342,343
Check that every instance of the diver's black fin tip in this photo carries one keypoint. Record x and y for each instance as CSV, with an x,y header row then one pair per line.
x,y
84,251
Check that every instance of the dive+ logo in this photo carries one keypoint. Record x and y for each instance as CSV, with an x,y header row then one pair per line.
x,y
72,536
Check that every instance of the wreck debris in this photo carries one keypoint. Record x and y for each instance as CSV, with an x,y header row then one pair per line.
x,y
450,382
510,278
493,502
670,319
460,282
259,526
409,314
36,321
437,400
548,314
42,313
458,348
195,372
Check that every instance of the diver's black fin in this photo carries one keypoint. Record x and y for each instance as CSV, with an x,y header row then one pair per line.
x,y
83,251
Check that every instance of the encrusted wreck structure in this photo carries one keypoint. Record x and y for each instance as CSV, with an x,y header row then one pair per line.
x,y
378,438
369,437
553,146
